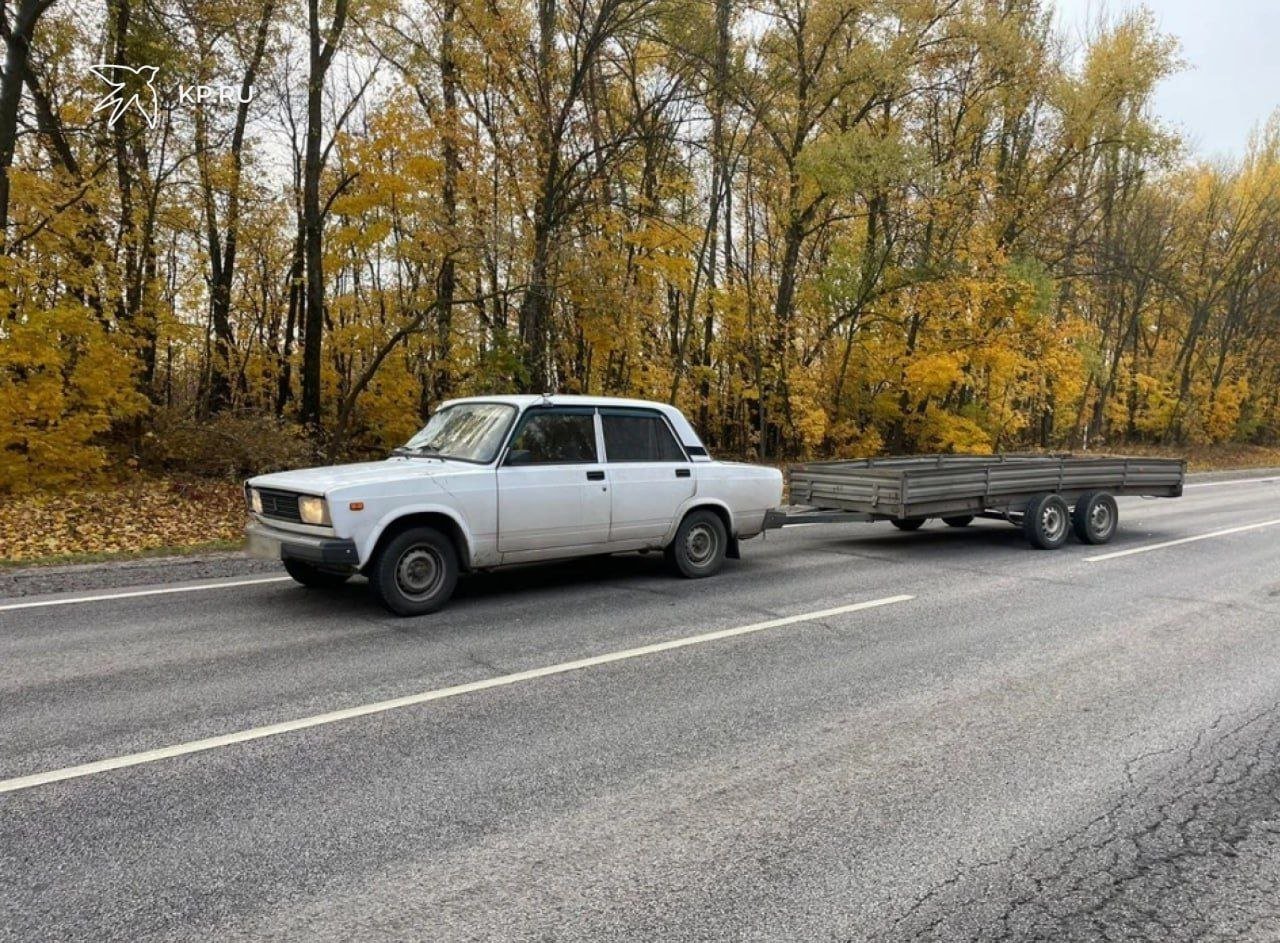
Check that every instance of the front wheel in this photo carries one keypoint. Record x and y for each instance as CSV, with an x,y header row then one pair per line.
x,y
699,548
312,576
415,572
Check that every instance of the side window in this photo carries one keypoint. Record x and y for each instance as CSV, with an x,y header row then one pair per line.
x,y
639,437
554,438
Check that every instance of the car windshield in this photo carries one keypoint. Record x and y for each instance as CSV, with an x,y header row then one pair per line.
x,y
472,432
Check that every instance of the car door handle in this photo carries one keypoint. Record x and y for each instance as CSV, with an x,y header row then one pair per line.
x,y
682,473
595,476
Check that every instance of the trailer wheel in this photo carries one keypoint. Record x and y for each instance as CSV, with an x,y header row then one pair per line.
x,y
909,523
1095,517
963,520
1046,521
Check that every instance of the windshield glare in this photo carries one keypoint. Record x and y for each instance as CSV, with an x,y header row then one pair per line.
x,y
472,432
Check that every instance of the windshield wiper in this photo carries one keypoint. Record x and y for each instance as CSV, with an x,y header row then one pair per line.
x,y
418,452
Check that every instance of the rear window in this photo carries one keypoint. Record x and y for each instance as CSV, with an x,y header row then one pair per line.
x,y
639,437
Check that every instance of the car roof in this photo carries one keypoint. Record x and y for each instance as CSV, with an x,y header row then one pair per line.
x,y
684,431
558,399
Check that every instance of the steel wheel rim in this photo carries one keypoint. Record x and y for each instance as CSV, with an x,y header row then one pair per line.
x,y
701,544
1052,521
1100,518
419,572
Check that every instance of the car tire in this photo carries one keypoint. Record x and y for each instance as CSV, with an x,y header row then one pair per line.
x,y
909,523
963,520
1095,517
414,572
312,576
699,547
1046,521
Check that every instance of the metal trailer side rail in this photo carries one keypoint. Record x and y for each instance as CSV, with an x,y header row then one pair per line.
x,y
990,485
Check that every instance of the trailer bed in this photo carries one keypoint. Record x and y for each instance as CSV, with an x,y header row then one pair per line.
x,y
922,486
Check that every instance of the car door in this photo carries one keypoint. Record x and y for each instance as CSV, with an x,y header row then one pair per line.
x,y
553,494
650,476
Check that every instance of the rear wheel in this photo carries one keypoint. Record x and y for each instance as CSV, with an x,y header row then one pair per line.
x,y
415,572
1046,521
312,576
908,523
700,545
1095,517
963,520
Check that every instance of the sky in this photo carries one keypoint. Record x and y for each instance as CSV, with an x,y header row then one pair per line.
x,y
1231,82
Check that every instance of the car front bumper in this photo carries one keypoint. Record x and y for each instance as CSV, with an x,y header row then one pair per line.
x,y
271,543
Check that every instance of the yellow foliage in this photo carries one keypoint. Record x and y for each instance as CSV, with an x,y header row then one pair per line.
x,y
64,380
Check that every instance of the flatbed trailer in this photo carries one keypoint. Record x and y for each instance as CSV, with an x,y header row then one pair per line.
x,y
1048,496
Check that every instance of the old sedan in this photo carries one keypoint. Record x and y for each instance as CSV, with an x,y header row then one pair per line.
x,y
500,480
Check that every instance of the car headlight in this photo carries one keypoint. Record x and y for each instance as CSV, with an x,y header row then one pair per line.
x,y
255,500
312,510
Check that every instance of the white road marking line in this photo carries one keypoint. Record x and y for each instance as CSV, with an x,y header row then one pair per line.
x,y
1232,481
439,694
72,600
1182,540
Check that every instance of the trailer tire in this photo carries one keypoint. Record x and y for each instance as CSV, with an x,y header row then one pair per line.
x,y
415,572
962,520
700,544
1046,522
909,523
313,577
1095,517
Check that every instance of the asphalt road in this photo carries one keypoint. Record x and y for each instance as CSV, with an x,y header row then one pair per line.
x,y
1034,746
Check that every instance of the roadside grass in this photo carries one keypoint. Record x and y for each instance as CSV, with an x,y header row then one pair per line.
x,y
148,515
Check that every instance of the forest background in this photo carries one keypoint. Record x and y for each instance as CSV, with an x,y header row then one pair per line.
x,y
820,227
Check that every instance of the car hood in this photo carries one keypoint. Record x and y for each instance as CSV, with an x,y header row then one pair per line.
x,y
327,478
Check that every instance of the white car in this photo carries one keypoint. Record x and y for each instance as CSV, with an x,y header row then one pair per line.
x,y
497,480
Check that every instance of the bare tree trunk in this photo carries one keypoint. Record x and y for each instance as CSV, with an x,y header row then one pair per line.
x,y
320,58
535,307
222,254
124,171
535,311
719,190
17,41
447,286
139,208
284,387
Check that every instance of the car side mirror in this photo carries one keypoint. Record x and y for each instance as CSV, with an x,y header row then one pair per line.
x,y
519,457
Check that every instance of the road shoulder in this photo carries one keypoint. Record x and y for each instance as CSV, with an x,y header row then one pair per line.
x,y
150,571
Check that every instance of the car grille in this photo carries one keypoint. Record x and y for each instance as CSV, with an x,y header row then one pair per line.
x,y
282,505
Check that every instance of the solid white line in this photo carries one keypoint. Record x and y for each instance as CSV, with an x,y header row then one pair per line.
x,y
1182,540
439,694
72,600
1232,481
